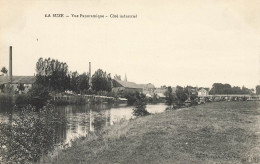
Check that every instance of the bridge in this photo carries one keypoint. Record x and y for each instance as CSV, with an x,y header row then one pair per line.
x,y
233,96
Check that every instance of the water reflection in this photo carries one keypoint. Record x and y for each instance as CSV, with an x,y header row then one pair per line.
x,y
91,118
83,119
6,113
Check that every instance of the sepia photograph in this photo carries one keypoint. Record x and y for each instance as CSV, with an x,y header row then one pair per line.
x,y
121,81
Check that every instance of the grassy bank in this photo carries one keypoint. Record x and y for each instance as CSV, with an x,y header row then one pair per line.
x,y
225,132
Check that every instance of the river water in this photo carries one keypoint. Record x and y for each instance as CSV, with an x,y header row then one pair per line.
x,y
83,119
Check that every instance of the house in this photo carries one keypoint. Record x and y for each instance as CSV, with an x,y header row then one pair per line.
x,y
203,92
15,81
161,91
148,88
194,91
120,87
160,95
257,88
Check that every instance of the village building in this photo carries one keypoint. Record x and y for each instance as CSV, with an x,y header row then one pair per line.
x,y
203,92
194,91
148,88
15,81
125,86
121,87
26,81
257,90
160,92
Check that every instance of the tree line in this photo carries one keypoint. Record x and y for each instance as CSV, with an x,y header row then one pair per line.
x,y
55,75
219,88
180,95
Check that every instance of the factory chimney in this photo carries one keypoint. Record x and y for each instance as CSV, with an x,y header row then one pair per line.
x,y
90,74
10,65
125,78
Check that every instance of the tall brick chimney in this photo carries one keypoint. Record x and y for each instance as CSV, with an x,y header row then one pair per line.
x,y
90,74
10,65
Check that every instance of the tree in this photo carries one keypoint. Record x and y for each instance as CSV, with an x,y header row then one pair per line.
x,y
188,90
130,96
38,95
219,88
227,89
4,70
170,96
2,86
140,105
257,88
52,74
180,94
21,87
236,90
117,77
8,88
48,66
74,76
83,82
192,94
101,81
246,90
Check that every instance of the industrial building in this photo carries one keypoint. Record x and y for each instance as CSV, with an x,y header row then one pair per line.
x,y
15,81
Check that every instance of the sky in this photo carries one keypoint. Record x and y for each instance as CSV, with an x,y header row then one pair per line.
x,y
171,42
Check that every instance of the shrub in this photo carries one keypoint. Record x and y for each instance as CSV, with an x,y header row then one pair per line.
x,y
131,97
6,98
2,86
8,89
140,105
21,100
29,135
112,94
38,95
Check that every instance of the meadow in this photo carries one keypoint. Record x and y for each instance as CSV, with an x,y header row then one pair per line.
x,y
219,132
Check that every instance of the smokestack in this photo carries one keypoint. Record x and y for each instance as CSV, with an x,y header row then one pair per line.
x,y
90,74
90,69
125,78
10,65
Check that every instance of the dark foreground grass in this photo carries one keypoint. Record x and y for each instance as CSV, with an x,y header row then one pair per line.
x,y
224,132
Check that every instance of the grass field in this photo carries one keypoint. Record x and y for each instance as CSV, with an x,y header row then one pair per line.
x,y
221,132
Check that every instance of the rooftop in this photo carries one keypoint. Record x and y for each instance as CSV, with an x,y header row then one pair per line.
x,y
18,79
127,84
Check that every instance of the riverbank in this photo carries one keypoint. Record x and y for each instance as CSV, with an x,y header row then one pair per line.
x,y
226,132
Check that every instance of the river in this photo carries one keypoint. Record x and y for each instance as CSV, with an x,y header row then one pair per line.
x,y
83,119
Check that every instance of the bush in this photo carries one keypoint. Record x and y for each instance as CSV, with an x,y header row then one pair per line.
x,y
8,89
140,106
6,98
2,86
112,94
131,97
30,135
21,100
38,95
